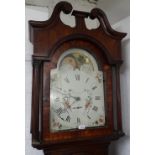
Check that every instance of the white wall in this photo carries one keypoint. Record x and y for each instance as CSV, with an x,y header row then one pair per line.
x,y
122,146
32,13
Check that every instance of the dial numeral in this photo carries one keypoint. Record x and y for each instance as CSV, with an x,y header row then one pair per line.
x,y
88,116
95,108
67,80
78,120
99,80
77,77
94,87
68,119
57,99
86,80
97,97
60,126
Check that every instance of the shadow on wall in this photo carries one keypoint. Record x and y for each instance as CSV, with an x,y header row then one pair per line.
x,y
125,56
120,147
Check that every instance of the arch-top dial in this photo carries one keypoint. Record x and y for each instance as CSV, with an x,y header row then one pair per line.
x,y
77,95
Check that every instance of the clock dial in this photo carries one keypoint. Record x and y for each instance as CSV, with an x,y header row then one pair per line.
x,y
77,95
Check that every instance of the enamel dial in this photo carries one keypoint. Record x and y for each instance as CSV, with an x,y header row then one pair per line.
x,y
76,92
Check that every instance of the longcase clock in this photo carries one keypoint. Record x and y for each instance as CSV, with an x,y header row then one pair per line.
x,y
76,105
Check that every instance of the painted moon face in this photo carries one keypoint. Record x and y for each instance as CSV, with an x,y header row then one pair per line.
x,y
70,61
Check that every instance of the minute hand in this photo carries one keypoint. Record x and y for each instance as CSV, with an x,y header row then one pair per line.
x,y
76,98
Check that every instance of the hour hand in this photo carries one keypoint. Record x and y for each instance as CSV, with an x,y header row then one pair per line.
x,y
76,98
79,107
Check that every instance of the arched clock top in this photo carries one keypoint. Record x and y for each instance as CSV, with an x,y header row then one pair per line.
x,y
46,34
79,16
87,39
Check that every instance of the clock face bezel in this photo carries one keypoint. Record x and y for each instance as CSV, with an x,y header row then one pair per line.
x,y
91,111
66,135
